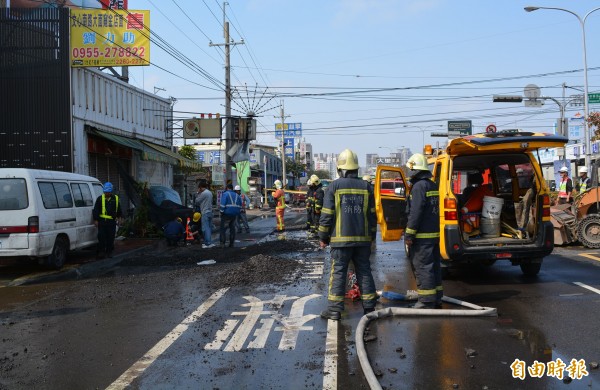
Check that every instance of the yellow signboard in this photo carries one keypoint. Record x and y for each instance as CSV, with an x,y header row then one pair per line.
x,y
110,38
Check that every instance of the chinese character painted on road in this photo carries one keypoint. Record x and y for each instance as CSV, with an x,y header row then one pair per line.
x,y
258,321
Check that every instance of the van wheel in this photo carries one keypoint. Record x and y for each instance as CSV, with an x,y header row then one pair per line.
x,y
530,268
58,257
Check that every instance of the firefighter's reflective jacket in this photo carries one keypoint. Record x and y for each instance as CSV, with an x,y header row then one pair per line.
x,y
317,199
348,214
423,208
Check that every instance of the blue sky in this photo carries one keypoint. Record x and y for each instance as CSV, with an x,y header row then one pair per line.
x,y
375,75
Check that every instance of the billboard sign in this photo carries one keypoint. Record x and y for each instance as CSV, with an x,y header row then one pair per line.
x,y
109,38
202,128
289,147
290,130
86,4
458,129
576,128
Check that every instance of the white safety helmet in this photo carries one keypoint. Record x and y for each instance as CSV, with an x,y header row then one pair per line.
x,y
367,178
347,160
417,162
314,179
564,169
277,184
237,188
583,170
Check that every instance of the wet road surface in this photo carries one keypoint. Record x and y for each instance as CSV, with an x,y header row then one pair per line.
x,y
170,327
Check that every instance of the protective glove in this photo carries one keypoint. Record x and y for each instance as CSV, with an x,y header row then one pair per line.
x,y
408,240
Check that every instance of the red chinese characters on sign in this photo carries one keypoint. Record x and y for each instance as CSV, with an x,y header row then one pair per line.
x,y
135,21
114,4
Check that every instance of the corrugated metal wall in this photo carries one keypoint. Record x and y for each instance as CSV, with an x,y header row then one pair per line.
x,y
35,129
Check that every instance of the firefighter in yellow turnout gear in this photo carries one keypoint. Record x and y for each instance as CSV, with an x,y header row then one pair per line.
x,y
348,225
279,196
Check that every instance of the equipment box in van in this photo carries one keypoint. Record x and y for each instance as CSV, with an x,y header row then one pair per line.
x,y
44,214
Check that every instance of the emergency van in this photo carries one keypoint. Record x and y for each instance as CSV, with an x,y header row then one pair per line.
x,y
503,215
44,214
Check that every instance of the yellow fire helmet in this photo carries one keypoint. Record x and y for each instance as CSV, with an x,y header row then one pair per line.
x,y
314,179
417,162
347,160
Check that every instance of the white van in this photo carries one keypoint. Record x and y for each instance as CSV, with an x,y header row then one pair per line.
x,y
44,214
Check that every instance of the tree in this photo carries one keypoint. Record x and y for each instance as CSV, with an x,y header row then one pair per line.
x,y
320,173
594,121
189,152
295,167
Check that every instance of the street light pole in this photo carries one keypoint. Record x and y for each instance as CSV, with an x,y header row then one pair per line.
x,y
422,129
585,76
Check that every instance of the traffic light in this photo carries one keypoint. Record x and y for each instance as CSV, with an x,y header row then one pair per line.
x,y
507,99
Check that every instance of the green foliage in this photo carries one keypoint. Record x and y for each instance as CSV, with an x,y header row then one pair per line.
x,y
320,173
594,121
295,167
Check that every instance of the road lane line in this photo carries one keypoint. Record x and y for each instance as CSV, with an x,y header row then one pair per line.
x,y
140,366
331,356
590,256
588,287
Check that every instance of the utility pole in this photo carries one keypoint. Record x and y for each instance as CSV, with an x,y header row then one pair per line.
x,y
228,131
283,116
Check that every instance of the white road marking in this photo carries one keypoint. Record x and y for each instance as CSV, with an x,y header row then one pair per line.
x,y
588,287
331,356
140,366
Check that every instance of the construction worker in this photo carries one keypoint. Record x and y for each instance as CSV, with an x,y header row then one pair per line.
x,y
584,181
309,206
196,226
422,235
565,187
231,205
279,196
174,231
318,195
348,225
242,219
105,213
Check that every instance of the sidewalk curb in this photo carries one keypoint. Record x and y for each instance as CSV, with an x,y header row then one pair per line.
x,y
95,268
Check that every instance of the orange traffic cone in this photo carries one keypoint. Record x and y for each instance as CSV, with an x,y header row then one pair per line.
x,y
189,237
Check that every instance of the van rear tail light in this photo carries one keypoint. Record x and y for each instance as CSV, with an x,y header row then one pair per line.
x,y
545,205
33,225
450,203
546,200
451,215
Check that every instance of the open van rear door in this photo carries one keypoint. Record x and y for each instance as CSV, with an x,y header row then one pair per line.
x,y
391,189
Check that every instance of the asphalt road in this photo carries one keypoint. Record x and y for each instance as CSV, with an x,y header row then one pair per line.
x,y
170,327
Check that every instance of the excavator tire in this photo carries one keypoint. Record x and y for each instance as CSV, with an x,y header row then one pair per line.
x,y
588,231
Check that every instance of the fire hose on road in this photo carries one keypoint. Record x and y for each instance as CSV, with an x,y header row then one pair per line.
x,y
475,311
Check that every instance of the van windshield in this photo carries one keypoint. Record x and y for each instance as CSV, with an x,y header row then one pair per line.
x,y
13,194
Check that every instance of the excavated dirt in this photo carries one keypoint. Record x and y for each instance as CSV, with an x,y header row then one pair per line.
x,y
269,262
